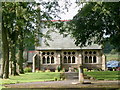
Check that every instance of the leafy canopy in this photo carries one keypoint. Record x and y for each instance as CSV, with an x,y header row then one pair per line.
x,y
97,22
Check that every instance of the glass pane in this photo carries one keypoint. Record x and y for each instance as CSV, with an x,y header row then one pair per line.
x,y
69,53
65,59
52,53
94,52
86,52
73,53
48,59
52,59
69,59
48,53
65,53
90,59
43,53
73,59
44,61
94,59
86,59
90,52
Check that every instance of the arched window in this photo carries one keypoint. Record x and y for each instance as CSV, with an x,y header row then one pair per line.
x,y
94,59
73,59
52,59
86,52
90,52
90,59
73,53
69,53
48,59
43,53
94,52
48,53
65,53
44,60
52,53
86,59
69,59
65,59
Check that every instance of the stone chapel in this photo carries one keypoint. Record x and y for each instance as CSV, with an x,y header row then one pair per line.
x,y
63,52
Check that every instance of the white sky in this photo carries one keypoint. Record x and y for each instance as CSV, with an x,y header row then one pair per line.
x,y
72,10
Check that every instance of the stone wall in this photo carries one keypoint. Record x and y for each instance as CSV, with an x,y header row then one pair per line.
x,y
71,58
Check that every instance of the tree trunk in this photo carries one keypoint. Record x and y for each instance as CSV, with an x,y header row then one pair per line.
x,y
13,59
20,54
5,49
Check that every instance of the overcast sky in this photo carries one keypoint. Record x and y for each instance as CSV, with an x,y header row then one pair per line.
x,y
72,10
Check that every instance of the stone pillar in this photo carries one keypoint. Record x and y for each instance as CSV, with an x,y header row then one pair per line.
x,y
81,75
103,62
33,70
79,58
58,58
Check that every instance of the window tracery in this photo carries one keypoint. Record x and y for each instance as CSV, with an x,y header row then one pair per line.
x,y
90,57
69,57
48,57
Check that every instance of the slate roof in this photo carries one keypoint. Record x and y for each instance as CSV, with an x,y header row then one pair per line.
x,y
61,43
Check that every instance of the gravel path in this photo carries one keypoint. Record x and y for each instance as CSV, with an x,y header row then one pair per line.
x,y
66,84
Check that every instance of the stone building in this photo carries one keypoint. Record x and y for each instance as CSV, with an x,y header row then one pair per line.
x,y
63,52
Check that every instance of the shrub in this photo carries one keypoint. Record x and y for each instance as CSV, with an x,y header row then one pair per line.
x,y
27,69
63,70
85,69
59,68
55,78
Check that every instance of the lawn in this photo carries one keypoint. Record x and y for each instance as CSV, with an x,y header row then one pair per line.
x,y
32,77
50,76
104,75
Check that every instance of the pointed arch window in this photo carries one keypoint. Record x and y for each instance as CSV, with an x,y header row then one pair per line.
x,y
48,60
69,59
73,59
94,59
90,59
48,57
44,60
86,59
65,59
52,59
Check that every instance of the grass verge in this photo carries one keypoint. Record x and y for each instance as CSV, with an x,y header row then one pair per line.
x,y
104,75
32,77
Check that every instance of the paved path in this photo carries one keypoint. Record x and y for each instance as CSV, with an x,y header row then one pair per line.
x,y
66,84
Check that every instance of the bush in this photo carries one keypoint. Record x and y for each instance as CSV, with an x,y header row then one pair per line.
x,y
59,68
27,69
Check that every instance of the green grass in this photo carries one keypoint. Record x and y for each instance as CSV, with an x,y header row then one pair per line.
x,y
32,77
111,57
104,75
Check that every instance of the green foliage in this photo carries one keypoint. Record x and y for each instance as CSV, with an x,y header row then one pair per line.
x,y
107,47
27,69
97,22
59,68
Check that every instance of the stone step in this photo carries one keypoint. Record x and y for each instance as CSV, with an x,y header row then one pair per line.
x,y
73,75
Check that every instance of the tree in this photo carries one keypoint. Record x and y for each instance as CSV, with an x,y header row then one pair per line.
x,y
18,21
97,22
